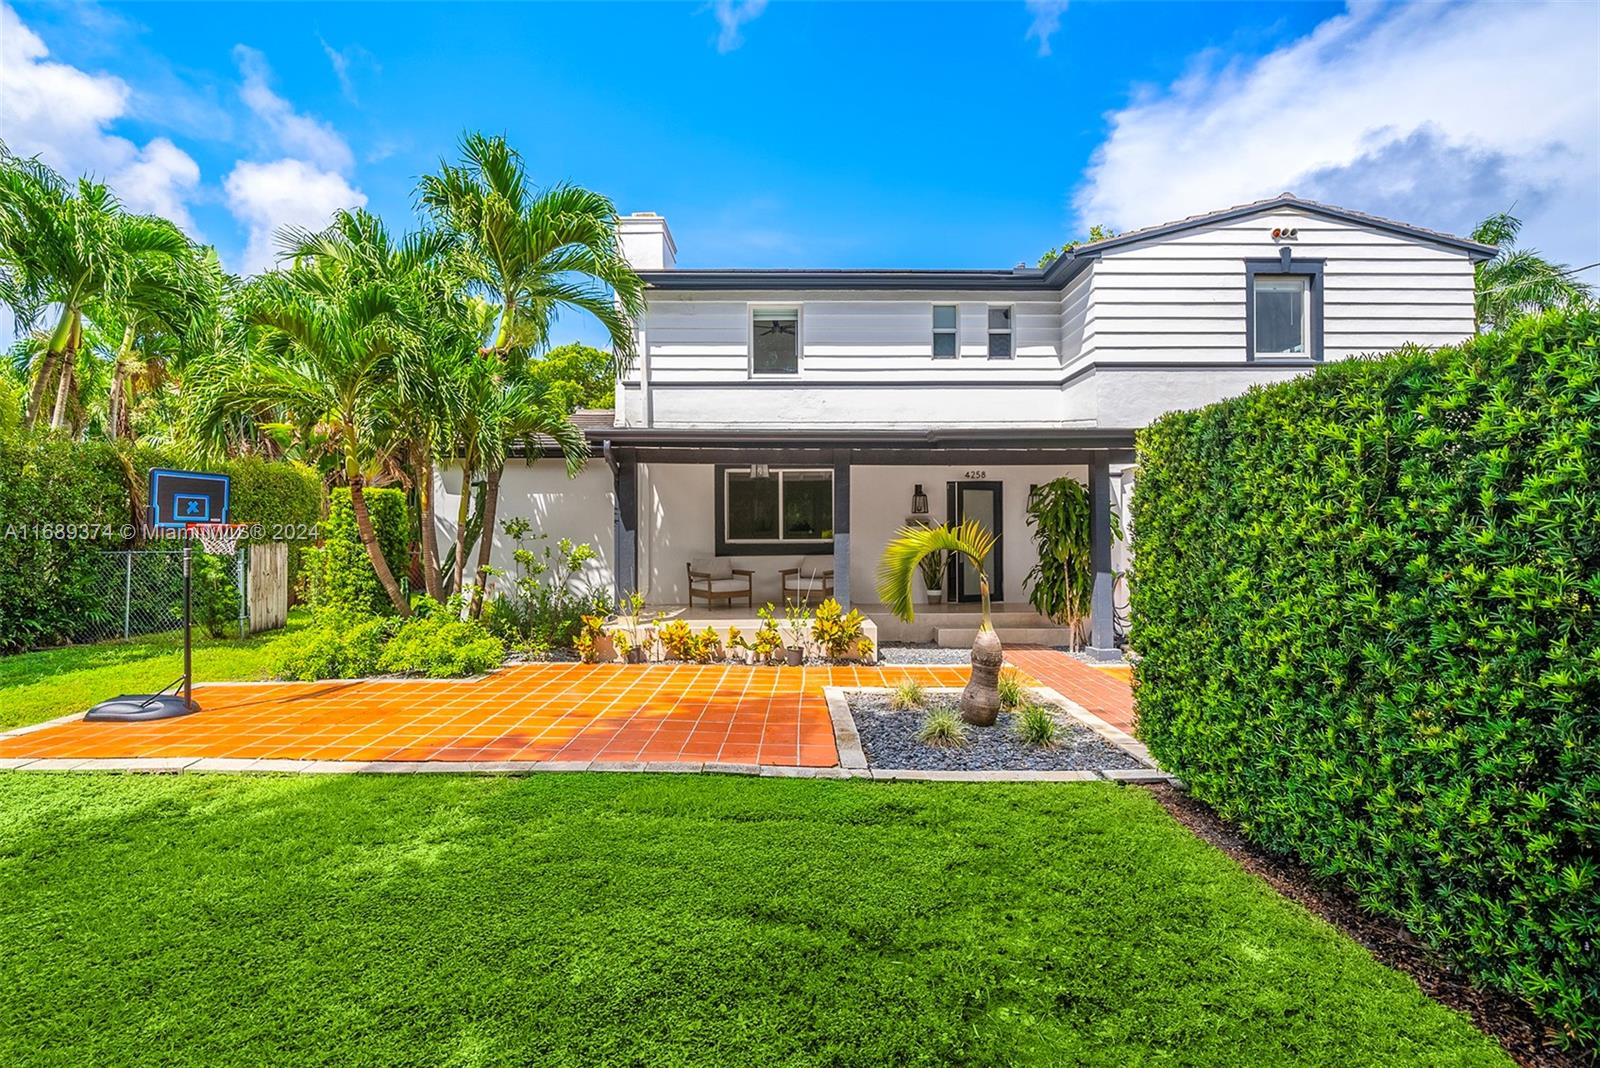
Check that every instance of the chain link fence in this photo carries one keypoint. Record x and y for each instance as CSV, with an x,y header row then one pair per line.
x,y
140,591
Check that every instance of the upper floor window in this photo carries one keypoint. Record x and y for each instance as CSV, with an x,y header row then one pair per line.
x,y
1283,309
1000,333
944,329
1280,314
775,341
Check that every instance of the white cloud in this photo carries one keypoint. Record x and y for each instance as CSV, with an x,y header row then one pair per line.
x,y
62,114
1437,114
1046,21
288,130
344,61
732,14
285,192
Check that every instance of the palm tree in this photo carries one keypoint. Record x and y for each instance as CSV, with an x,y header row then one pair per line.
x,y
529,253
331,334
533,252
980,700
70,249
506,411
1518,282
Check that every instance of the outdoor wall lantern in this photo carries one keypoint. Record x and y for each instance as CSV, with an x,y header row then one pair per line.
x,y
919,501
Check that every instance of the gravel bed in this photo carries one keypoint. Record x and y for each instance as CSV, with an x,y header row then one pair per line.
x,y
889,739
919,653
553,656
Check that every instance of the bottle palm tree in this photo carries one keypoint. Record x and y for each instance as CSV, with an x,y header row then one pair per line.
x,y
1517,282
980,700
70,247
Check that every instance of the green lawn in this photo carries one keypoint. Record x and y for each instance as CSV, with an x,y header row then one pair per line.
x,y
582,919
38,686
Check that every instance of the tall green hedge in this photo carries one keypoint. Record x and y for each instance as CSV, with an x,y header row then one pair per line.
x,y
1364,604
345,580
59,501
62,500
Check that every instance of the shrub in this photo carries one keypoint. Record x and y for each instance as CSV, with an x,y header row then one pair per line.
x,y
440,645
434,642
768,642
676,639
215,599
60,502
1364,603
906,696
1012,693
839,633
1037,726
337,645
548,600
345,580
943,727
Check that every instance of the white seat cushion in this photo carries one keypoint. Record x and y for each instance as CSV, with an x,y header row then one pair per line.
x,y
721,585
804,583
718,567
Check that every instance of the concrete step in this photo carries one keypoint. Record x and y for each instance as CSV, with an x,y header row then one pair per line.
x,y
961,637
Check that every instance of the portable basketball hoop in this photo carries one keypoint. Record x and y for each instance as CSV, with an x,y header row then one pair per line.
x,y
174,494
218,539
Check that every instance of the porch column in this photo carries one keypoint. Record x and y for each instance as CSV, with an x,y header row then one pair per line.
x,y
1102,638
625,526
841,527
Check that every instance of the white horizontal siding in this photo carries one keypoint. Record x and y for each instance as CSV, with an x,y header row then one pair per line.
x,y
1182,297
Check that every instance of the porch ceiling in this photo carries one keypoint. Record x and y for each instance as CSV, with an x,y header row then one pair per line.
x,y
1045,445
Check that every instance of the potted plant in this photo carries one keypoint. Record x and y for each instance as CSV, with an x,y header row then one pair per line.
x,y
796,625
737,647
932,570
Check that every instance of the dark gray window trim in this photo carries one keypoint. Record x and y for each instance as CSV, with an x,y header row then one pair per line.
x,y
1285,264
770,548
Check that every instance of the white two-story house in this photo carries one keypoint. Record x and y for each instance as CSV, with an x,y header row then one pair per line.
x,y
790,418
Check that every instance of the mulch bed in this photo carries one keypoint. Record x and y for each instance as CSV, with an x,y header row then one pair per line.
x,y
889,739
1498,1015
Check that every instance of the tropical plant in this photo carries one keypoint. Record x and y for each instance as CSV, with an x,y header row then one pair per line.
x,y
839,633
1097,232
768,641
76,248
1012,692
980,699
1037,726
1518,282
942,727
796,624
551,592
529,253
906,696
330,334
932,568
1061,584
577,376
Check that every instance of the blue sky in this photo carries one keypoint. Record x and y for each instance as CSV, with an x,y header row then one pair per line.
x,y
820,134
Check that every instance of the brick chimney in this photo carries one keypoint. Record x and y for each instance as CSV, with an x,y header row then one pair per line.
x,y
646,242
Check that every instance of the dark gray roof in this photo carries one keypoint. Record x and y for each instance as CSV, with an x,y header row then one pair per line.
x,y
1060,271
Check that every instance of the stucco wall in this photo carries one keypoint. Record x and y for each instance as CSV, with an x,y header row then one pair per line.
x,y
578,508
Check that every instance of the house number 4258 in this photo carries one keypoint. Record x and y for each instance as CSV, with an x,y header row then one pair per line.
x,y
976,474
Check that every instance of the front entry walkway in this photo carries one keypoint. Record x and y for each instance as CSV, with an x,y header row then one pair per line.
x,y
557,713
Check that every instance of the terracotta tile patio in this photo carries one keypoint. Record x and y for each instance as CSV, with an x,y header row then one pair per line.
x,y
1105,691
544,712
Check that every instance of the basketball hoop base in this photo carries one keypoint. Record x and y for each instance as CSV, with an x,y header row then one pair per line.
x,y
139,707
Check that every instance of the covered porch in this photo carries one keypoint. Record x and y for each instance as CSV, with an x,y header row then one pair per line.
x,y
696,510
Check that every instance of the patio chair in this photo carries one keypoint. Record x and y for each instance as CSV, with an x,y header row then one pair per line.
x,y
810,578
716,581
